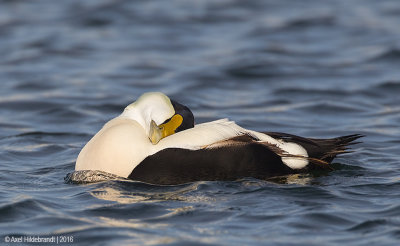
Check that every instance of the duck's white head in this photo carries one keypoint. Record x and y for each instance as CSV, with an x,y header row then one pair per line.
x,y
159,116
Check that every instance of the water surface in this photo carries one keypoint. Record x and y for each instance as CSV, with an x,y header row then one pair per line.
x,y
312,68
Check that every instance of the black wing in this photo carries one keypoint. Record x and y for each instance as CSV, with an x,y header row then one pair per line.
x,y
230,162
236,158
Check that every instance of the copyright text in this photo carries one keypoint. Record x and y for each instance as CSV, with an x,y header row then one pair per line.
x,y
39,239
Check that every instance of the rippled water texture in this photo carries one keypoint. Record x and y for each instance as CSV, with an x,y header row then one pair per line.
x,y
312,68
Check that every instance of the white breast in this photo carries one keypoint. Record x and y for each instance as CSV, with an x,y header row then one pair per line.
x,y
117,148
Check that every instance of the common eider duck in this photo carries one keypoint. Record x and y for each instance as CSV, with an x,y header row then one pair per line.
x,y
155,141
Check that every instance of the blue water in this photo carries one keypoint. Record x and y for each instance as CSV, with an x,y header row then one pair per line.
x,y
312,68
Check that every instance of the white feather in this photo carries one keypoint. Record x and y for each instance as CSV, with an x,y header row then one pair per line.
x,y
150,106
117,148
288,147
123,142
201,135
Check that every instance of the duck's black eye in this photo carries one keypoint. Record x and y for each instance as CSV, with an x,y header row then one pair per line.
x,y
187,115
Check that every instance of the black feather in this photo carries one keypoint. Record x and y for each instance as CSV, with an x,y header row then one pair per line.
x,y
322,149
235,158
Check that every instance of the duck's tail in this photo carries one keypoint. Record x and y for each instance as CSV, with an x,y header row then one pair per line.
x,y
336,146
321,152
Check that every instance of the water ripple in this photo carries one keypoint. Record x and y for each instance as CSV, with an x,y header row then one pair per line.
x,y
312,68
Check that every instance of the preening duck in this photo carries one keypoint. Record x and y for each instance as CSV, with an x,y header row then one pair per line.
x,y
155,140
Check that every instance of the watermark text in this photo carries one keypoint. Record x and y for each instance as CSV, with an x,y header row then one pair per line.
x,y
39,239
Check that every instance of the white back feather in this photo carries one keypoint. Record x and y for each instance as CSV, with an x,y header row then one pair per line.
x,y
201,135
288,147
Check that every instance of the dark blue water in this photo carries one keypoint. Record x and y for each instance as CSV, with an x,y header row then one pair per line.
x,y
312,68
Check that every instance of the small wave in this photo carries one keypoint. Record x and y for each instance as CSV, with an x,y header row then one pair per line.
x,y
391,211
391,55
389,86
27,105
375,189
96,21
311,91
331,221
254,70
331,107
106,108
309,21
282,24
304,192
368,225
33,85
41,134
125,191
22,208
